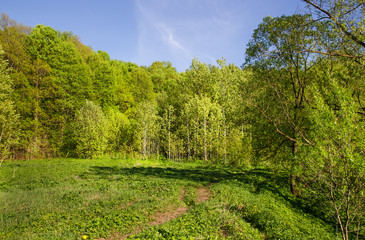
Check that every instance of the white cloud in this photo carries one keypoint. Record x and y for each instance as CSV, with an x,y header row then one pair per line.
x,y
174,44
178,31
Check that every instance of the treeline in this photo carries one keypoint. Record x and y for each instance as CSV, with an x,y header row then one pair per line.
x,y
69,100
296,105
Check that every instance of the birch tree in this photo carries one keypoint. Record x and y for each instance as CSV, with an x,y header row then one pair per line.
x,y
148,127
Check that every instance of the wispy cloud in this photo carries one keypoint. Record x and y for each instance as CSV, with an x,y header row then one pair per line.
x,y
178,31
171,40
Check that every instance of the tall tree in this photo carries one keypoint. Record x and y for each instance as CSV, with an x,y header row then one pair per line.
x,y
335,166
227,82
148,127
282,73
13,39
8,116
167,127
70,84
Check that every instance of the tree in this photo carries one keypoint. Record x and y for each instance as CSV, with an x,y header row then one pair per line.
x,y
8,116
336,165
343,34
118,130
312,123
91,129
227,80
104,81
40,84
281,76
69,84
13,40
141,85
198,79
203,120
169,119
148,127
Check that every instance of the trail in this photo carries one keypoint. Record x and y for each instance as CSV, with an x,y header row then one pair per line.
x,y
203,194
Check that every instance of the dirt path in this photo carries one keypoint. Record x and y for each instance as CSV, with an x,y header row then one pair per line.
x,y
203,194
162,217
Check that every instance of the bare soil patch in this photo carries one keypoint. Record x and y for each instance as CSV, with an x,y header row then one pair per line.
x,y
203,194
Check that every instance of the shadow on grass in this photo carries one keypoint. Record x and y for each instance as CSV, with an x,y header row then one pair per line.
x,y
198,174
259,179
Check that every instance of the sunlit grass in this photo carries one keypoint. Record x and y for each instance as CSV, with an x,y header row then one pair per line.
x,y
73,199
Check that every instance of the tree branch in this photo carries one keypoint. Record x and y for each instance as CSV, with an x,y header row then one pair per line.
x,y
349,34
275,125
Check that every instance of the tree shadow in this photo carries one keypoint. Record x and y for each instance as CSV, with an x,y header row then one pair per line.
x,y
259,179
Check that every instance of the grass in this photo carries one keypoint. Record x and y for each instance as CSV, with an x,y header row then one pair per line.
x,y
113,198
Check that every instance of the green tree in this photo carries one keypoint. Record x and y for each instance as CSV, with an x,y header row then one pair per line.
x,y
335,166
13,39
148,127
198,79
104,81
118,130
8,116
227,82
123,94
169,119
281,76
141,85
91,131
69,83
203,119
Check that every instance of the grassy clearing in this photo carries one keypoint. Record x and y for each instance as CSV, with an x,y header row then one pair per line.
x,y
70,198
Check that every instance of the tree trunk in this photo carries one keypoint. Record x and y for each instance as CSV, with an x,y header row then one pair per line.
x,y
293,185
205,140
145,143
293,188
169,140
225,143
187,126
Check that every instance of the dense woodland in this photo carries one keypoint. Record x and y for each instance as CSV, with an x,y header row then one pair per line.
x,y
296,104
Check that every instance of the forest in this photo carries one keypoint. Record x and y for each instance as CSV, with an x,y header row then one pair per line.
x,y
295,106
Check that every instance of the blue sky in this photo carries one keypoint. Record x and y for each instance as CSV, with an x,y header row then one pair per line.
x,y
143,31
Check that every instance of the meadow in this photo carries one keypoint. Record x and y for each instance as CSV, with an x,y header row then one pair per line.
x,y
150,199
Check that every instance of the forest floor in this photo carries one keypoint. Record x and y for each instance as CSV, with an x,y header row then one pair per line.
x,y
138,199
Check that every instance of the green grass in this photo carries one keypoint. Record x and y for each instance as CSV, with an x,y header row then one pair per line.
x,y
70,198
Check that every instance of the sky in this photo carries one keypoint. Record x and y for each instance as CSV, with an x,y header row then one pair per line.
x,y
144,31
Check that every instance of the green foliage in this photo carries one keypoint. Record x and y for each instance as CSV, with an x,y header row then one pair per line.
x,y
147,127
297,105
118,130
91,131
42,42
281,74
8,116
336,164
342,28
310,115
141,85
